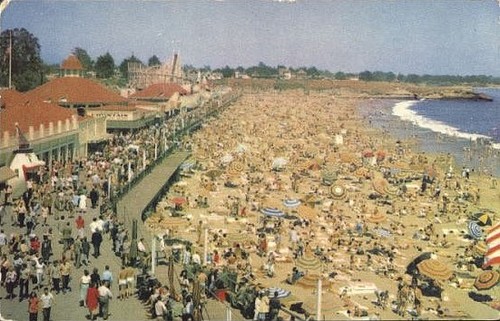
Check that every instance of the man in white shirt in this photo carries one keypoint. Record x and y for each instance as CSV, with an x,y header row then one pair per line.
x,y
94,226
196,259
104,296
47,303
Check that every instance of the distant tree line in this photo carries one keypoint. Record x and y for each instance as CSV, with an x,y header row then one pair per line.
x,y
29,70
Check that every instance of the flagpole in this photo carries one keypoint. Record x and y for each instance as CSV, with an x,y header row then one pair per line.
x,y
10,61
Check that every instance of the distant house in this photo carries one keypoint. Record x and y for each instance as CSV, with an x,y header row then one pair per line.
x,y
301,74
284,73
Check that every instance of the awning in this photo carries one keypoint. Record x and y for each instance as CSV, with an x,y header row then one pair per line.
x,y
6,173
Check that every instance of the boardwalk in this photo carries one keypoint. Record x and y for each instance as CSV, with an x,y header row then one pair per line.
x,y
136,201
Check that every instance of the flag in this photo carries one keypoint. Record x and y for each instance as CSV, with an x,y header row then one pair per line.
x,y
492,256
3,5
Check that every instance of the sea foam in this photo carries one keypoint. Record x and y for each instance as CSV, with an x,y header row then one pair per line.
x,y
404,112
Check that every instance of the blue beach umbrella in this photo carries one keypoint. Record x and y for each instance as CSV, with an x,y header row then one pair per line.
x,y
282,293
291,203
474,230
272,212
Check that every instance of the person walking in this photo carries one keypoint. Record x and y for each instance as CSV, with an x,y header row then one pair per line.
x,y
46,248
85,251
96,242
24,281
94,197
84,286
104,296
55,275
107,276
34,304
92,300
77,251
47,303
187,312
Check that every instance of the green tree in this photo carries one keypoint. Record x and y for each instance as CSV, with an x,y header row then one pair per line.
x,y
27,66
83,56
124,65
105,66
154,61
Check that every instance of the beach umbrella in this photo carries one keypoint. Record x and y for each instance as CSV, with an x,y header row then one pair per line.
x,y
309,263
291,203
226,159
474,230
178,200
486,280
380,185
492,256
214,173
282,293
434,269
189,164
338,192
279,163
480,248
383,232
483,219
273,212
368,153
376,217
411,268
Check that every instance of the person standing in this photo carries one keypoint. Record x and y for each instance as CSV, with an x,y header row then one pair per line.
x,y
187,312
65,273
92,300
274,307
104,296
264,307
46,248
47,303
80,226
33,306
160,309
84,286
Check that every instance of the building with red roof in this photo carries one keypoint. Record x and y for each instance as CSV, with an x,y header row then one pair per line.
x,y
159,92
76,92
71,67
54,132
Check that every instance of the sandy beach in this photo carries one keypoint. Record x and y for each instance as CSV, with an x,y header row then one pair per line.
x,y
303,180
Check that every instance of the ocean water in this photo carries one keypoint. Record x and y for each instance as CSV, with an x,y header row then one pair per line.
x,y
468,130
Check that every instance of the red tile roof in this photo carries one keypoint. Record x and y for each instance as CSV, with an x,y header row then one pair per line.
x,y
75,90
159,91
19,108
71,63
10,96
115,108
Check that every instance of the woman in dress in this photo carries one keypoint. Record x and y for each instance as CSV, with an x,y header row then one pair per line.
x,y
34,304
93,301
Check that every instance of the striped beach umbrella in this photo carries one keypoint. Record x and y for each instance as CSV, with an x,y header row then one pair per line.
x,y
487,280
474,230
435,269
492,256
309,263
274,212
282,293
291,203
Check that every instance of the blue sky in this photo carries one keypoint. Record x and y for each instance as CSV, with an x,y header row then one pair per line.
x,y
417,36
